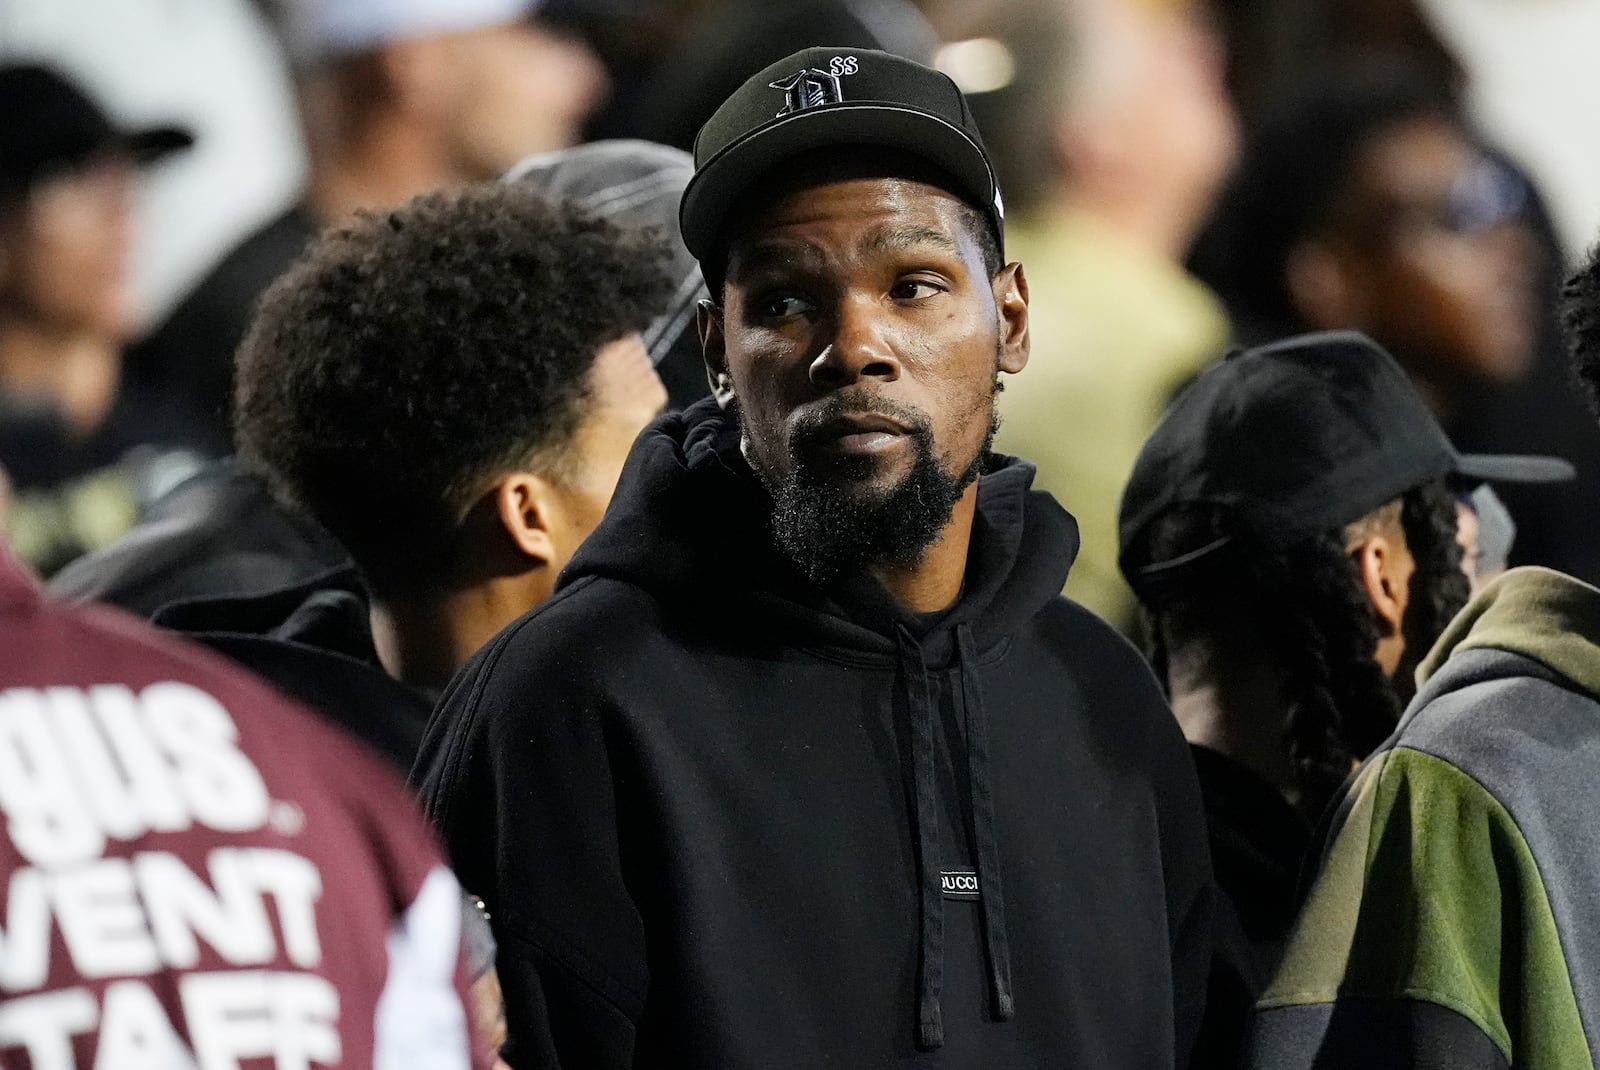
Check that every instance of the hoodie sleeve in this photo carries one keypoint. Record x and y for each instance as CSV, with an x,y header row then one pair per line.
x,y
1427,941
527,750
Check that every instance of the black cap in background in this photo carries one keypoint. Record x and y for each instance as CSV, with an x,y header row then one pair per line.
x,y
48,126
1291,440
827,98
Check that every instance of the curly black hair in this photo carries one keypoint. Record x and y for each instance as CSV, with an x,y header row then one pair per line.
x,y
410,357
1308,606
1580,319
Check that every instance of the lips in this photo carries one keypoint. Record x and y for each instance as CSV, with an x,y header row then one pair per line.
x,y
858,433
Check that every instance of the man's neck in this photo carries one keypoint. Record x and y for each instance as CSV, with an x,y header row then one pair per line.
x,y
75,370
934,583
422,640
1239,713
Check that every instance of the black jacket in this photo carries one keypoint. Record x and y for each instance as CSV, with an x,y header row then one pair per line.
x,y
722,819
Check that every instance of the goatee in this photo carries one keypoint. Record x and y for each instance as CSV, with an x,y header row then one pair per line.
x,y
830,524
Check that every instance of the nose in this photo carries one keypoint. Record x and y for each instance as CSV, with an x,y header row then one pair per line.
x,y
858,349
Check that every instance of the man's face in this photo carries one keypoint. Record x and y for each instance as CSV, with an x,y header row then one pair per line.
x,y
860,339
523,88
64,261
625,394
1441,257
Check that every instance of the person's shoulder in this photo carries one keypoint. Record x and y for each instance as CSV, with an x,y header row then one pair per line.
x,y
1498,704
1118,689
1087,641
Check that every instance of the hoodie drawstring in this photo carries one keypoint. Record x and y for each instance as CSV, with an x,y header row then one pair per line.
x,y
986,847
930,900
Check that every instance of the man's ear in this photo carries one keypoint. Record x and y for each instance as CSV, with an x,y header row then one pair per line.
x,y
1385,572
1322,286
1011,303
712,344
1385,588
525,507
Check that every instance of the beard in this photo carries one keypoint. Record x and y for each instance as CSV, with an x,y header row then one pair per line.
x,y
830,522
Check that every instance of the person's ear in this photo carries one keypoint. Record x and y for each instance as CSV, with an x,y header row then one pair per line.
x,y
1377,563
712,344
1386,582
1011,302
525,506
1322,286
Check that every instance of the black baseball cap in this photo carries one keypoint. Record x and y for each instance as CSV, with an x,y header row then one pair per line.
x,y
1291,440
826,98
48,126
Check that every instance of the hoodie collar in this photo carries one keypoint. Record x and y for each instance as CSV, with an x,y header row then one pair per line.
x,y
1536,612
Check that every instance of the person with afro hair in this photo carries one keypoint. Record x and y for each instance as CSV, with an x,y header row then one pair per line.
x,y
451,389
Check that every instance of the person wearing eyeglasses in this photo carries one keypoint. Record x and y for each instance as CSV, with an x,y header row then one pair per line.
x,y
1366,203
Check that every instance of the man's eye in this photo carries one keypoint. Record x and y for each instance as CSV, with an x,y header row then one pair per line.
x,y
913,290
782,306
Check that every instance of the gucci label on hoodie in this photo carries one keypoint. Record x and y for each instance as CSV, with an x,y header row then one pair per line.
x,y
959,884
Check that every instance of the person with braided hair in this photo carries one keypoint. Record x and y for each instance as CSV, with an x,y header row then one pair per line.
x,y
1291,535
1454,920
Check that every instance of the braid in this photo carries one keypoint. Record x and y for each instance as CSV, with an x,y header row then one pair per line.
x,y
1438,588
1323,634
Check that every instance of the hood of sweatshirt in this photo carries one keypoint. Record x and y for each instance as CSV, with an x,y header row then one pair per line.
x,y
1535,612
690,522
690,519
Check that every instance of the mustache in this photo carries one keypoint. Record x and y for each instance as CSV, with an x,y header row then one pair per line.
x,y
816,423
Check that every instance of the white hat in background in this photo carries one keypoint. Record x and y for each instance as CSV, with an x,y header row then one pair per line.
x,y
324,29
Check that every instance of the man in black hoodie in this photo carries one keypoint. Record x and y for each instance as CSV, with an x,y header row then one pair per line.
x,y
806,763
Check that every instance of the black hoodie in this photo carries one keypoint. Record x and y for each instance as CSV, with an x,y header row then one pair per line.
x,y
721,818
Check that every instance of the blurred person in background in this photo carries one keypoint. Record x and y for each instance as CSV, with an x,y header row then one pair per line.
x,y
276,898
1291,534
1111,139
1366,203
68,417
1454,918
397,98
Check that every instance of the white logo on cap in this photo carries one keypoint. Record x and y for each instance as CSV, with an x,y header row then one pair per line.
x,y
812,88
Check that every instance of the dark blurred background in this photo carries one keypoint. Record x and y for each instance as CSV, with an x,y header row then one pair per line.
x,y
1179,176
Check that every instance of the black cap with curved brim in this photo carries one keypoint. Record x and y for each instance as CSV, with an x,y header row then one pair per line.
x,y
831,98
1291,440
48,126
